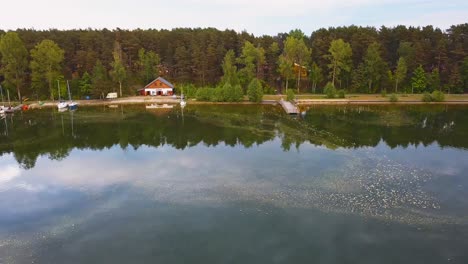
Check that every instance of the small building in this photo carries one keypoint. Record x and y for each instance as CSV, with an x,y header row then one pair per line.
x,y
159,86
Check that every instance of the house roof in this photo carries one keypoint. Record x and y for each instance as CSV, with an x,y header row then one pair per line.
x,y
161,79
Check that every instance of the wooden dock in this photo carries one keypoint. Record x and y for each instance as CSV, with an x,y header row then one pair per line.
x,y
289,107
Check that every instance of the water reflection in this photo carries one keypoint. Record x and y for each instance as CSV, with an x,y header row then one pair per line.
x,y
134,181
47,132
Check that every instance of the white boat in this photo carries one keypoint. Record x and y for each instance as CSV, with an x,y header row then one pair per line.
x,y
2,107
62,104
71,105
182,101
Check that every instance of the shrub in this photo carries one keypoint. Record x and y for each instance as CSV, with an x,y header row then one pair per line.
x,y
329,90
438,96
290,96
204,94
189,91
427,97
232,93
384,93
393,98
255,91
341,93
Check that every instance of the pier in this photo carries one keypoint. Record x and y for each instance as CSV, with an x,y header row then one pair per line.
x,y
290,108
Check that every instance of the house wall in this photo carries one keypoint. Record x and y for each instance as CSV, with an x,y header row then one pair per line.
x,y
157,91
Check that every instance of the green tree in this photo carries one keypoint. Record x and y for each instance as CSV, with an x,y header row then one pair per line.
x,y
232,93
148,63
255,91
46,61
99,79
374,66
419,81
297,52
229,69
464,73
14,60
400,72
253,58
339,57
118,71
434,80
85,84
315,76
285,68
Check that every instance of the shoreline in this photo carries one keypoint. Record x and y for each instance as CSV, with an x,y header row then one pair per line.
x,y
299,102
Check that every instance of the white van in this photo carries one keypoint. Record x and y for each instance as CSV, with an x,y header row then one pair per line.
x,y
111,96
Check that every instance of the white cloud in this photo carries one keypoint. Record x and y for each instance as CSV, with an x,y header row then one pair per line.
x,y
8,173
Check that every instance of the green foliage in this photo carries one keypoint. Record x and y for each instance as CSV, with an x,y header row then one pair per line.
x,y
438,96
253,58
85,84
255,91
400,72
434,80
374,66
419,81
148,63
196,55
189,90
232,93
225,93
290,96
229,69
383,93
339,57
285,68
427,97
393,98
46,61
14,60
296,51
341,93
118,71
316,76
329,90
204,94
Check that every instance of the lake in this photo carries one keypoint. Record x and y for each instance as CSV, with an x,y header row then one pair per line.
x,y
235,184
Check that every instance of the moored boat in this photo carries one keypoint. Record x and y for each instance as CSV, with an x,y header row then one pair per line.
x,y
61,104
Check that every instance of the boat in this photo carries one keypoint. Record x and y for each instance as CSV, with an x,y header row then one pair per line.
x,y
71,105
9,109
182,101
2,107
61,104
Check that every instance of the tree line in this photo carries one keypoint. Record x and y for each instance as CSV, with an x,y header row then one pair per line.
x,y
35,63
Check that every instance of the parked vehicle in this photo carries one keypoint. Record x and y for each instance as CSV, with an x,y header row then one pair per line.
x,y
111,96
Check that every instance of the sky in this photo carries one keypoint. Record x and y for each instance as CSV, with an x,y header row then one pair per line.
x,y
255,16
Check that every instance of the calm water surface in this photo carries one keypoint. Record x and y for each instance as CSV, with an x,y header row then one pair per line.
x,y
231,184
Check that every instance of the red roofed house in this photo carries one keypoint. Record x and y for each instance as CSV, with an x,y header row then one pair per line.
x,y
159,86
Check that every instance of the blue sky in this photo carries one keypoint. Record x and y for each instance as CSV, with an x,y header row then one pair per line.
x,y
255,16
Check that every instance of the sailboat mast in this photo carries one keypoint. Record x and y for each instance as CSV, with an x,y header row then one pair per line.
x,y
1,92
69,95
58,86
8,93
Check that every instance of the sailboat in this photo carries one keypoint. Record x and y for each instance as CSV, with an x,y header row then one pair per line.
x,y
62,105
2,107
10,109
71,105
182,101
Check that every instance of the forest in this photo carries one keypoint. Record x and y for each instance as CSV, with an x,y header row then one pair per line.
x,y
33,63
